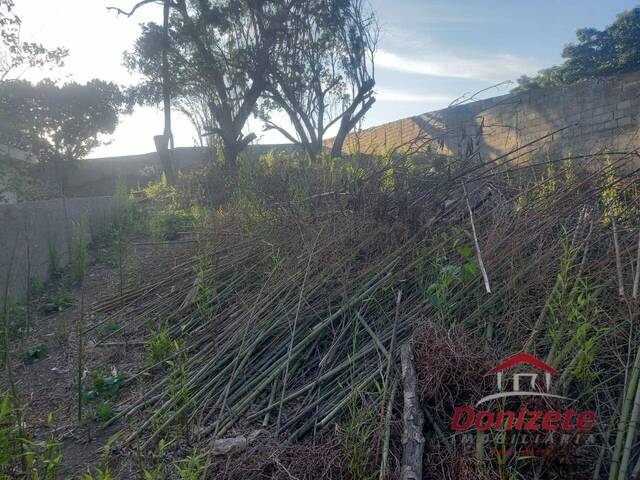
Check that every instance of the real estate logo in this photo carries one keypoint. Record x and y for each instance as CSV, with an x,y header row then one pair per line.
x,y
531,386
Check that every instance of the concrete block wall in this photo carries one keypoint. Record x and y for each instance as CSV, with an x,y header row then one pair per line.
x,y
601,114
31,232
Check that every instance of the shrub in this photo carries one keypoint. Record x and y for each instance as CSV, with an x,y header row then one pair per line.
x,y
166,225
160,347
123,209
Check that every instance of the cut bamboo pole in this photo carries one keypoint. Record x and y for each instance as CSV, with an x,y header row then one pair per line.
x,y
485,277
616,246
636,278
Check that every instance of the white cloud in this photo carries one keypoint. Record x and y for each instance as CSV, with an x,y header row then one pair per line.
x,y
400,96
491,68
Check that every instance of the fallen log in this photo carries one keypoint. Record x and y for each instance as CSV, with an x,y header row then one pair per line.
x,y
412,418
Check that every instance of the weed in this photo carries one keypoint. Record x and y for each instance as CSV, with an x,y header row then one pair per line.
x,y
37,287
58,299
166,225
21,457
162,194
205,293
16,320
108,328
359,440
35,354
160,347
104,386
9,434
78,252
158,455
62,330
104,412
191,467
54,259
123,209
97,474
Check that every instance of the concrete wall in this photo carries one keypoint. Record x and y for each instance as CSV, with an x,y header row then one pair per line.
x,y
98,176
10,162
602,114
36,230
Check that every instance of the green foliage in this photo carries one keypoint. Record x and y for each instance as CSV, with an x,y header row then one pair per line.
x,y
104,412
124,211
172,213
37,287
160,346
191,467
54,259
108,328
163,195
9,433
573,316
104,386
446,274
596,54
62,330
78,252
17,319
166,225
57,123
35,354
42,459
610,195
359,440
22,457
97,474
59,298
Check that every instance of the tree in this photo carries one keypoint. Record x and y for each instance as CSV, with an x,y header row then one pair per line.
x,y
324,72
224,49
165,141
57,124
16,55
188,93
616,49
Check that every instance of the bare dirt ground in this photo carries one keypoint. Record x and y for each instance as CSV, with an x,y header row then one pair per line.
x,y
45,361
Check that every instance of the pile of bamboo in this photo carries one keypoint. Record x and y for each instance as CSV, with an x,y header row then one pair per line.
x,y
280,326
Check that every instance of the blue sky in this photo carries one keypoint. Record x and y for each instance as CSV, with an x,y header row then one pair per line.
x,y
430,52
475,44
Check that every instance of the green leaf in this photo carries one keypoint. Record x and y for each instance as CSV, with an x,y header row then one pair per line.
x,y
465,250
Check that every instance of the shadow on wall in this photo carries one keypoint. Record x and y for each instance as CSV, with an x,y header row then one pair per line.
x,y
591,117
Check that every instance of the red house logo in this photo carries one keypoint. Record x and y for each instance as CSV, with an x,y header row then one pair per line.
x,y
522,384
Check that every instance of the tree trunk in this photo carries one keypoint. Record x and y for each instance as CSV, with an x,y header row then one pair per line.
x,y
351,118
163,151
413,420
232,146
162,147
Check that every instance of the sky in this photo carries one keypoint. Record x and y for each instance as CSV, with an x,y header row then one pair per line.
x,y
430,53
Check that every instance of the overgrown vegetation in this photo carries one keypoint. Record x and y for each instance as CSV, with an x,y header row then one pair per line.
x,y
257,321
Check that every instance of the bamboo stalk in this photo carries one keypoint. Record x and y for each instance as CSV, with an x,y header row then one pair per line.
x,y
384,462
616,246
636,278
485,277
